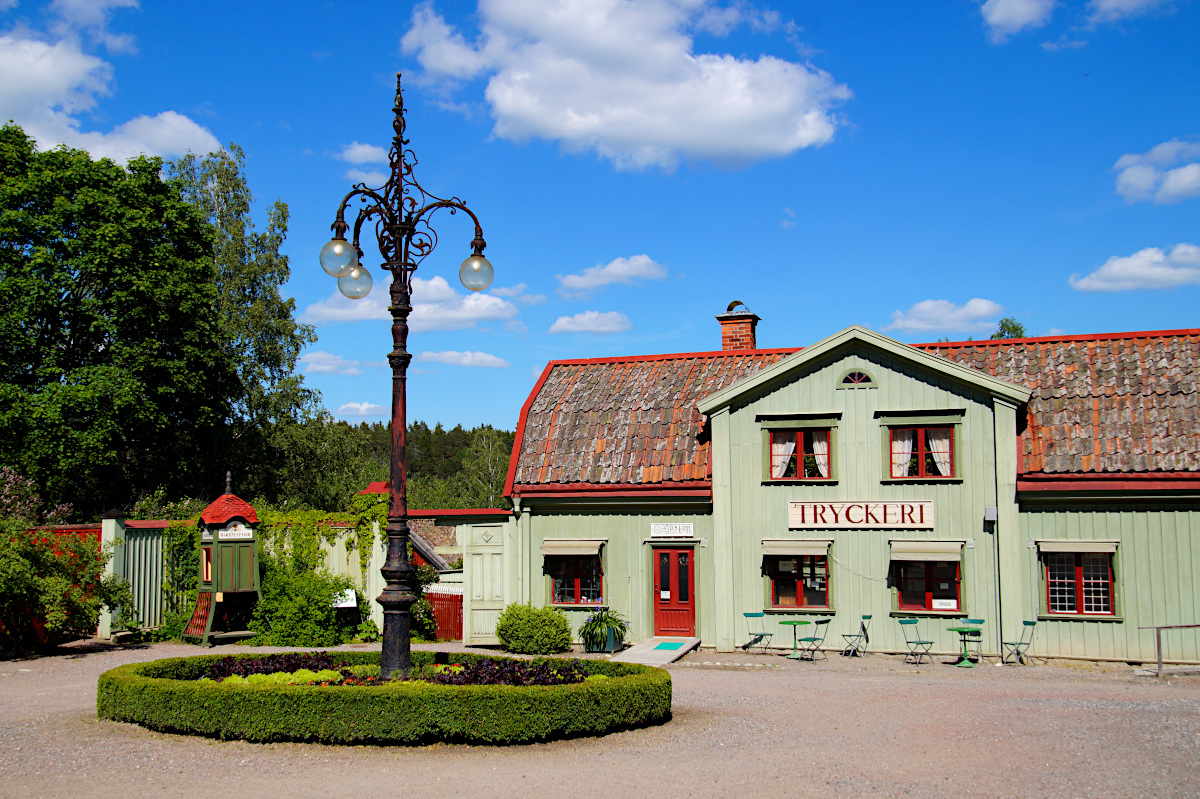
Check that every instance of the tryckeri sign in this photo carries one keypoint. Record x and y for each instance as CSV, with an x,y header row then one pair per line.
x,y
865,515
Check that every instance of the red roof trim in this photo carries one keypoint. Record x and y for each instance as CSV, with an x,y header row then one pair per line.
x,y
1077,482
666,356
627,491
520,436
378,487
997,342
430,514
151,524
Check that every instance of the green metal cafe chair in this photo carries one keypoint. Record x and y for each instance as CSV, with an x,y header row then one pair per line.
x,y
856,643
756,629
810,646
975,638
917,648
1019,650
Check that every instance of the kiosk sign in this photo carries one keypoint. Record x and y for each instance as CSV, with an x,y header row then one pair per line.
x,y
907,515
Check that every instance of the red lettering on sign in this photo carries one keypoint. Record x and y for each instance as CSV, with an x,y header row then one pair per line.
x,y
906,511
819,514
922,513
834,510
852,521
871,517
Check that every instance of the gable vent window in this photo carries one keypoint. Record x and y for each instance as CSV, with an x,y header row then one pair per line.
x,y
856,378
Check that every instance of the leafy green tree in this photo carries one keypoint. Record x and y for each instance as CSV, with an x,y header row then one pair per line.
x,y
114,377
1009,328
485,467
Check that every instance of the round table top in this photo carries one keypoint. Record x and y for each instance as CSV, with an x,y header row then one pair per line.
x,y
964,629
795,622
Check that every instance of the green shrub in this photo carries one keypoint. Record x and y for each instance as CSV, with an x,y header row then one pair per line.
x,y
52,588
527,630
167,695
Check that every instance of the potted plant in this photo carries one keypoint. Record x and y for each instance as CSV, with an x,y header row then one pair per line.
x,y
603,631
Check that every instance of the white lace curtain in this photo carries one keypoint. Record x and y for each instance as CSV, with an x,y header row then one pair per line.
x,y
782,447
820,446
902,448
937,440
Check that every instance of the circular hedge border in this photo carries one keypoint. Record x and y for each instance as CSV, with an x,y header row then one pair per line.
x,y
166,695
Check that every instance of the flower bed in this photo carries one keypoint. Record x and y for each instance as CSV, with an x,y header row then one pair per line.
x,y
168,695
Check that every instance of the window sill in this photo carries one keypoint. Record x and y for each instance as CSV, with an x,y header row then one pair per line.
x,y
1078,617
800,611
808,481
577,607
949,614
930,480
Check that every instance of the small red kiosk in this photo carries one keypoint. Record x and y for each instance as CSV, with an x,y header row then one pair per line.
x,y
229,587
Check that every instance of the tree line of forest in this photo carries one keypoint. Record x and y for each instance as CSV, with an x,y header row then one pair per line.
x,y
146,349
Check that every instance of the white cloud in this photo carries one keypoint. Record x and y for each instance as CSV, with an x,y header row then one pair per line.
x,y
936,315
518,293
592,322
1056,331
1153,175
468,358
362,409
1006,17
1113,10
622,79
790,222
1150,268
370,177
91,17
359,153
436,306
320,362
619,270
45,86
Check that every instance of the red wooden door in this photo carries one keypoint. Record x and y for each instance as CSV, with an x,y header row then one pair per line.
x,y
674,592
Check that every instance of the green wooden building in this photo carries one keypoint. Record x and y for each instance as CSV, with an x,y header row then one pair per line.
x,y
1050,479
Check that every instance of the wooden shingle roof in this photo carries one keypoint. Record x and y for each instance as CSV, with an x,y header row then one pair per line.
x,y
624,421
1123,403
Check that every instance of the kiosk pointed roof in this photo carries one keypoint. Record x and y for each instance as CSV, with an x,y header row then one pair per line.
x,y
226,507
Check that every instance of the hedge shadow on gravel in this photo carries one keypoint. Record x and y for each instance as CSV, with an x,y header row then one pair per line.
x,y
165,695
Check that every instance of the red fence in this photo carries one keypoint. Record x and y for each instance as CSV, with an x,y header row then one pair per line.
x,y
448,613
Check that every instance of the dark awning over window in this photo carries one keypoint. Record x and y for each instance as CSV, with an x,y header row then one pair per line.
x,y
927,550
572,546
1077,546
790,547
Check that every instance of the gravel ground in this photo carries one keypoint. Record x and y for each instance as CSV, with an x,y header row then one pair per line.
x,y
742,723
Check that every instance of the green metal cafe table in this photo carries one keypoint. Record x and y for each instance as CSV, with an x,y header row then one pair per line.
x,y
795,641
964,633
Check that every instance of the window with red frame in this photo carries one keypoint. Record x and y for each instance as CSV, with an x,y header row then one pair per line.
x,y
1079,582
798,581
922,452
575,579
800,454
928,585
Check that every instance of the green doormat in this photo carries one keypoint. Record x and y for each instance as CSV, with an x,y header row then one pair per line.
x,y
669,645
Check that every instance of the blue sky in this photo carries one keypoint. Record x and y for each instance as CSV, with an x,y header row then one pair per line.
x,y
919,168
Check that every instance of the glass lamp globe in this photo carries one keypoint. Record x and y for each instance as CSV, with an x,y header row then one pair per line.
x,y
356,283
476,273
338,257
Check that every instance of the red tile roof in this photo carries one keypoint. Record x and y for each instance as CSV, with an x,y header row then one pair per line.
x,y
624,421
1121,402
226,507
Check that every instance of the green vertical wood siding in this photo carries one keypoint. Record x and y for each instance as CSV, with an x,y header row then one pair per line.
x,y
860,559
1156,567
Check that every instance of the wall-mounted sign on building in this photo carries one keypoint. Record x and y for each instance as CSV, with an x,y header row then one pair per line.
x,y
671,530
907,515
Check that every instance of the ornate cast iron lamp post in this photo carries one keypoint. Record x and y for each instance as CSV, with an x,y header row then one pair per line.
x,y
400,211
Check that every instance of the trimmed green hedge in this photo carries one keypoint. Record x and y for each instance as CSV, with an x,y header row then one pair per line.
x,y
165,695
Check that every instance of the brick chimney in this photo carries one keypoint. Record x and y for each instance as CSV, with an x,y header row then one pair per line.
x,y
737,327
